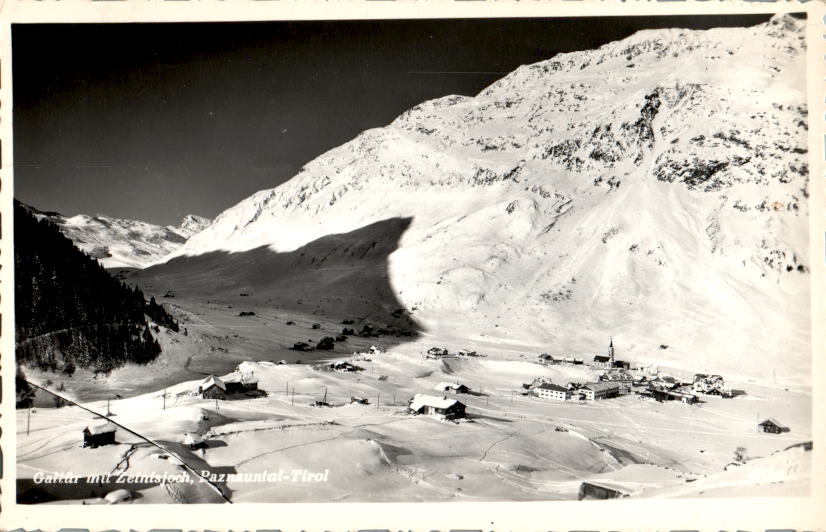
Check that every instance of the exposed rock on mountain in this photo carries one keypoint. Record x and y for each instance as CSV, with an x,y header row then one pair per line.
x,y
120,243
654,190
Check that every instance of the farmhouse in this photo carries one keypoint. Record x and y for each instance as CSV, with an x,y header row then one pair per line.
x,y
711,385
771,425
550,391
212,388
451,387
100,434
240,382
441,407
600,390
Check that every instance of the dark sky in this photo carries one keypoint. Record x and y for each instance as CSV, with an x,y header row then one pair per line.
x,y
155,121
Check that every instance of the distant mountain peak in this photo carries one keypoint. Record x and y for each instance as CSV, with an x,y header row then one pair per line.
x,y
122,243
191,224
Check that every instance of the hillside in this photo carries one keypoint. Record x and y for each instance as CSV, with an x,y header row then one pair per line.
x,y
653,190
70,313
120,243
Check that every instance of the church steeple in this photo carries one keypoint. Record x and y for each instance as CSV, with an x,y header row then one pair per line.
x,y
611,349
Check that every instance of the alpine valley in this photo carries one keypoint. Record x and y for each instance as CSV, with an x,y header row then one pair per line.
x,y
534,293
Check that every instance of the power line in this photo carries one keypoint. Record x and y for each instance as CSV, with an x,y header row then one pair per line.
x,y
144,438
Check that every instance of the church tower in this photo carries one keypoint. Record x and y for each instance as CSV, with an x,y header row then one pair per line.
x,y
611,350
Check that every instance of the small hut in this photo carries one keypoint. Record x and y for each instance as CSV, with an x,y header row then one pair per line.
x,y
100,434
590,490
771,426
193,440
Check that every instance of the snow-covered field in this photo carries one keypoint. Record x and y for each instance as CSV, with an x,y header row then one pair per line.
x,y
508,449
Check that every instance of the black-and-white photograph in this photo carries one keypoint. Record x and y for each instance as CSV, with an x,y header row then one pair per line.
x,y
412,260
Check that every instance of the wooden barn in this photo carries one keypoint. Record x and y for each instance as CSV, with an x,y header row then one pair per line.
x,y
240,383
100,434
589,490
212,388
771,426
442,407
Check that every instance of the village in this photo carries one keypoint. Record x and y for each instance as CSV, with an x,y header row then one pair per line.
x,y
607,415
600,416
616,379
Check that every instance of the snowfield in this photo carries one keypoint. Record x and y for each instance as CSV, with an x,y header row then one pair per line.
x,y
119,243
508,448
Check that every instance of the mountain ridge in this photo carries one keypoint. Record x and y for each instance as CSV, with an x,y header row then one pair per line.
x,y
597,193
123,243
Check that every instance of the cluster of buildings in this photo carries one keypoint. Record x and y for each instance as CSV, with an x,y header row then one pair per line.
x,y
619,380
441,352
574,391
551,360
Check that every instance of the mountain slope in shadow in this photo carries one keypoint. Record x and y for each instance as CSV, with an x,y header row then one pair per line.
x,y
340,275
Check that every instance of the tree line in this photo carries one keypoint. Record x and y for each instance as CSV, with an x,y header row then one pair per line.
x,y
69,311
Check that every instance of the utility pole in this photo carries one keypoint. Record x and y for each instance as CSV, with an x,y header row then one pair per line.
x,y
164,398
292,401
378,400
216,404
287,389
511,396
325,394
394,399
108,413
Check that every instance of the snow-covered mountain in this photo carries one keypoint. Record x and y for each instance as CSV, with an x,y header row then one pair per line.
x,y
120,243
653,190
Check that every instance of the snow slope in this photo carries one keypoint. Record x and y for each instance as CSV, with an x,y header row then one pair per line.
x,y
653,190
120,243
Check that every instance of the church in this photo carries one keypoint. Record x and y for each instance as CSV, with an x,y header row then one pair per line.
x,y
603,361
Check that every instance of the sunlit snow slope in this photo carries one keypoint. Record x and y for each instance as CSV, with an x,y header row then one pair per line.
x,y
653,190
119,243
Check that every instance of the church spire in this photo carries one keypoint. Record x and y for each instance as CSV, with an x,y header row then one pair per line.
x,y
611,349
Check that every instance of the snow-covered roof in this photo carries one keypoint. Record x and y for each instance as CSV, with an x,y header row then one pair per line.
x,y
554,387
101,428
213,380
191,438
447,386
596,386
235,376
601,358
772,421
420,400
